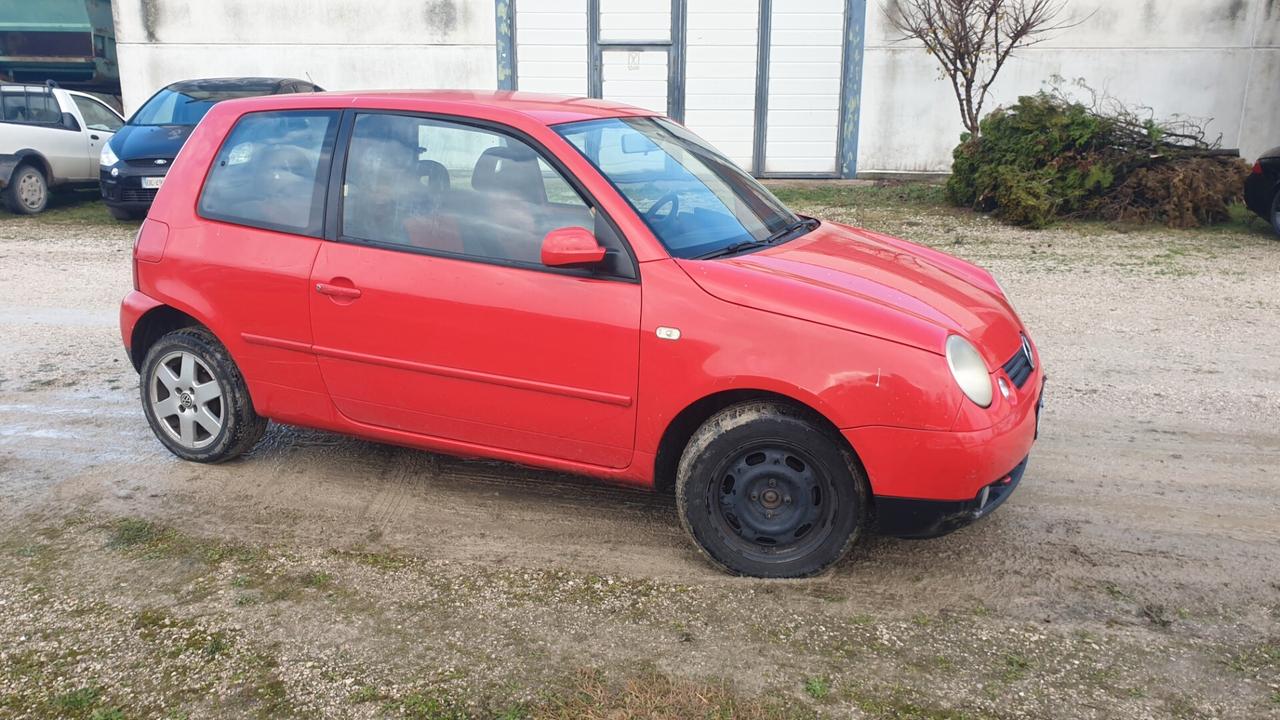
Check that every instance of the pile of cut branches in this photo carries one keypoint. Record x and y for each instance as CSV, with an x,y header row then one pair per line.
x,y
1050,157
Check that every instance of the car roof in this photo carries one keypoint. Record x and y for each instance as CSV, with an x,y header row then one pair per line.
x,y
547,109
250,84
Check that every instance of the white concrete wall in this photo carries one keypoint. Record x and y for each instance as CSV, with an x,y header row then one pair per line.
x,y
719,96
551,46
1215,60
805,62
338,44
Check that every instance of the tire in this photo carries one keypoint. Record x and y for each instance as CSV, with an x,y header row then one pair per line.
x,y
196,400
766,492
27,192
123,214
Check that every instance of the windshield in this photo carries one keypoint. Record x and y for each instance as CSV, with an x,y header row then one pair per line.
x,y
696,201
170,107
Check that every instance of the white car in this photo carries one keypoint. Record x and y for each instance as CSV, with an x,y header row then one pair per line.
x,y
49,137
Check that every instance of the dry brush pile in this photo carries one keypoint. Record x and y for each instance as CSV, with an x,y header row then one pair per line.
x,y
1049,157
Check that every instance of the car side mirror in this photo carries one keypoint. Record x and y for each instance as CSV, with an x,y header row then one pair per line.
x,y
571,247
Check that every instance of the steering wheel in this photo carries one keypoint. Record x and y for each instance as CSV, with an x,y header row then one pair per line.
x,y
670,199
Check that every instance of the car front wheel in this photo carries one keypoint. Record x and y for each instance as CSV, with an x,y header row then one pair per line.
x,y
765,491
28,192
195,399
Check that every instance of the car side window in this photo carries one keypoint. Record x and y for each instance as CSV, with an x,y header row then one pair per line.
x,y
447,187
96,115
271,172
30,107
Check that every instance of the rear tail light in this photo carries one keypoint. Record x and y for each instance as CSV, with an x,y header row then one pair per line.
x,y
1257,168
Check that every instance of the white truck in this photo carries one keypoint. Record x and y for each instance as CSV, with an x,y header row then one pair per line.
x,y
49,137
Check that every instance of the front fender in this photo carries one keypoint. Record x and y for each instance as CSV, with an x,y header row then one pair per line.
x,y
852,379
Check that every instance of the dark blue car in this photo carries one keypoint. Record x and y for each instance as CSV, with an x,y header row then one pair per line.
x,y
133,165
1262,189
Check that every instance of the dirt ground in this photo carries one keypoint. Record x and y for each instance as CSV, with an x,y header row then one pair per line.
x,y
1135,573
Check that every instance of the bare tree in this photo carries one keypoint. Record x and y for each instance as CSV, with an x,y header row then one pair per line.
x,y
972,39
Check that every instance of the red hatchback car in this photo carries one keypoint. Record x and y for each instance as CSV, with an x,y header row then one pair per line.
x,y
578,285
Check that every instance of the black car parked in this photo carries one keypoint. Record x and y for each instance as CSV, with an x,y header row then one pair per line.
x,y
1262,189
133,165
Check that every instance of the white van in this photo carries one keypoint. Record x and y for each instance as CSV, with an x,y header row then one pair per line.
x,y
49,137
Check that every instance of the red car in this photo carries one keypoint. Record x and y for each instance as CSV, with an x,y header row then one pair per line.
x,y
578,285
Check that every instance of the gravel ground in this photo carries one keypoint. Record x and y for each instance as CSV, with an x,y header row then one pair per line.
x,y
1133,575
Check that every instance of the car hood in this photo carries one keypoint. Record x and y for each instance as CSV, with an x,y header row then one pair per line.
x,y
136,142
869,283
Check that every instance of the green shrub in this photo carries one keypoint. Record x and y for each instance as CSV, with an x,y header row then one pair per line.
x,y
1046,158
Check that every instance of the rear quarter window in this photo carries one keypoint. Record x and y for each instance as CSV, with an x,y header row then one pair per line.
x,y
271,172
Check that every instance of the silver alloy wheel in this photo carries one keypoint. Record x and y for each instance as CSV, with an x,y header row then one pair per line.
x,y
31,191
186,399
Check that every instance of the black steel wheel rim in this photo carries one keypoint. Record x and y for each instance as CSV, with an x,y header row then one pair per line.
x,y
771,500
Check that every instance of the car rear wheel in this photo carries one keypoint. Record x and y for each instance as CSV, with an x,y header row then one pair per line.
x,y
196,400
28,192
767,492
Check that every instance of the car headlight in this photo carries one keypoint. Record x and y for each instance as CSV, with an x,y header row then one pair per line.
x,y
107,158
969,370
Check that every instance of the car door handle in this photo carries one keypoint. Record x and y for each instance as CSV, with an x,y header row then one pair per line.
x,y
94,137
339,291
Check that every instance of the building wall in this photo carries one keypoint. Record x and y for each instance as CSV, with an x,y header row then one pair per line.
x,y
1212,60
338,44
1215,60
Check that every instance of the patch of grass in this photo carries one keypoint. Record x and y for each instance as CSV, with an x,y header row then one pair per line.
x,y
1015,668
817,687
590,695
72,208
901,705
364,694
316,579
428,705
1258,659
77,700
155,541
838,194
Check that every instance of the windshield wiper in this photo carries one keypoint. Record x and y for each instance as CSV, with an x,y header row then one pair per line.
x,y
802,223
734,248
784,233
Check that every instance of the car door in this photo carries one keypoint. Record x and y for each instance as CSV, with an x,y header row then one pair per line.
x,y
246,264
432,314
36,116
99,124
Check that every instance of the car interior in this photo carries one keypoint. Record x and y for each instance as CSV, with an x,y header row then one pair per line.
x,y
397,192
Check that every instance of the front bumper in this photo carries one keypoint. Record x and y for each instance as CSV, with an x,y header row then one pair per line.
x,y
927,483
917,519
125,190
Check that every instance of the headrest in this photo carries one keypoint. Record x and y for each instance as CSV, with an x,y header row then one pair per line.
x,y
511,169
